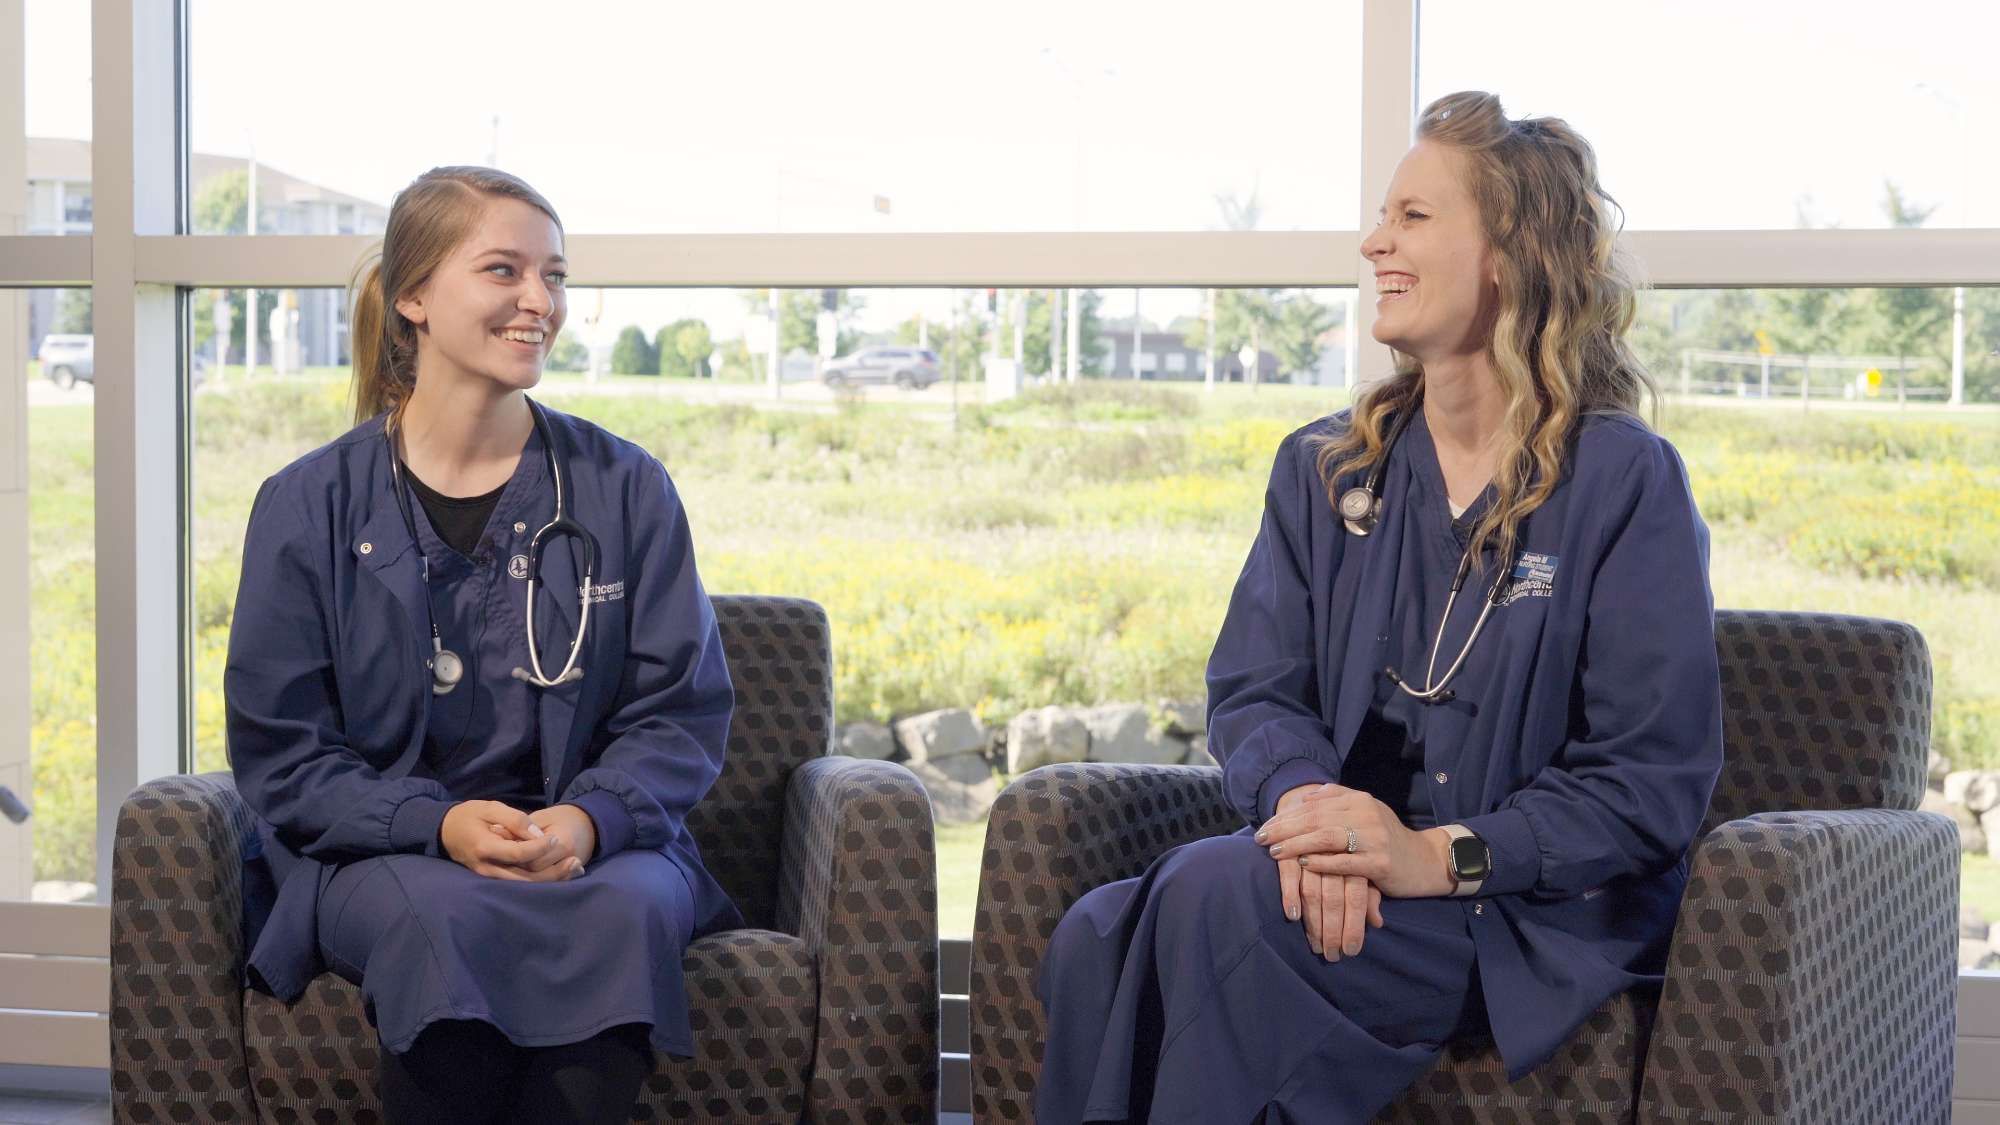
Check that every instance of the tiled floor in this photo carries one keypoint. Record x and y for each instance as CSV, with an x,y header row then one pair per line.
x,y
17,1109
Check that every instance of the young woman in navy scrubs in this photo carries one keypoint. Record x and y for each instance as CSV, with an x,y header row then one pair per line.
x,y
492,849
1466,811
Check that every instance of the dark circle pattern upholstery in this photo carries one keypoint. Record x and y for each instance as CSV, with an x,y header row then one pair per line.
x,y
831,1017
1812,972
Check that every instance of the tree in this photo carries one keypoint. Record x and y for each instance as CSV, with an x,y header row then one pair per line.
x,y
958,351
1903,321
1302,320
72,312
692,344
568,354
1091,345
1242,316
798,318
222,203
632,355
667,350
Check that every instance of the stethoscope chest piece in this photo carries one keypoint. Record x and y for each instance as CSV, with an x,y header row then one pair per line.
x,y
1358,509
446,668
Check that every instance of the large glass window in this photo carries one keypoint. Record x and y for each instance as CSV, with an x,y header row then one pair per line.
x,y
1720,115
890,115
1072,544
1833,480
57,85
48,748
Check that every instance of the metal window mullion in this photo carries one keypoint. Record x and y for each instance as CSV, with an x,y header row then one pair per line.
x,y
1388,118
136,417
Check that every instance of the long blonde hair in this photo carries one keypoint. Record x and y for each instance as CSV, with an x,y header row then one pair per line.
x,y
427,222
1566,298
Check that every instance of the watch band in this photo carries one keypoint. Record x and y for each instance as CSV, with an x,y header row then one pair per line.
x,y
1461,888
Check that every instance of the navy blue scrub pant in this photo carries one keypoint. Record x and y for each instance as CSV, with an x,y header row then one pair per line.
x,y
1186,995
458,1070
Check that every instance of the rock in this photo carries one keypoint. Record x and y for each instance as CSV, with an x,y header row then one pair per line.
x,y
1045,735
1978,790
1972,952
1121,732
865,740
955,802
1971,833
1198,755
1989,822
968,769
1972,925
1185,717
1940,766
62,890
940,734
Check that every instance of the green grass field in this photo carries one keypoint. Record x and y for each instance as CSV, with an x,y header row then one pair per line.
x,y
1071,547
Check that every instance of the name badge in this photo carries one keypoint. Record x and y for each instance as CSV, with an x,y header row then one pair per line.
x,y
1534,577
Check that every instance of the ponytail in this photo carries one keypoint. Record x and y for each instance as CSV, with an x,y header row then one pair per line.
x,y
384,348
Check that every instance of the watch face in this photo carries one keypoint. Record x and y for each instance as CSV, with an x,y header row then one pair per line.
x,y
1469,859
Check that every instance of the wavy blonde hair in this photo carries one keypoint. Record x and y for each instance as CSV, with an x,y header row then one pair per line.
x,y
1566,298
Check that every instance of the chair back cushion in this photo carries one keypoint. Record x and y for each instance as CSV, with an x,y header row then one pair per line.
x,y
781,665
1820,711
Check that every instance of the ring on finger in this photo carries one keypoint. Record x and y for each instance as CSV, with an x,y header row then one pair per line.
x,y
1353,841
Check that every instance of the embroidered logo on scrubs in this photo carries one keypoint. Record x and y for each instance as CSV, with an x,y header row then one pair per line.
x,y
518,566
608,592
1534,577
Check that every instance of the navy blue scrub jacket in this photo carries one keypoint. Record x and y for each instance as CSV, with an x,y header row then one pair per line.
x,y
1587,734
328,694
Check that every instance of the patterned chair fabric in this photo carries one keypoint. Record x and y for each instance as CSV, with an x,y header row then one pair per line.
x,y
826,1008
1812,972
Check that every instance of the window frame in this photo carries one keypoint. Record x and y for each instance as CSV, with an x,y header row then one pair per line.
x,y
141,265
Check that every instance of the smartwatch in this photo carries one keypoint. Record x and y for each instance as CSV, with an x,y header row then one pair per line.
x,y
1468,860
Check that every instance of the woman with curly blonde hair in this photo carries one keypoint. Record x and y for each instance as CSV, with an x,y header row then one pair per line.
x,y
1465,696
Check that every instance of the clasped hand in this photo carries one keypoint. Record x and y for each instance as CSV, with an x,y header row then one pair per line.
x,y
502,842
1338,893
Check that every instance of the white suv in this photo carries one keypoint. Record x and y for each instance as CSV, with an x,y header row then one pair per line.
x,y
67,359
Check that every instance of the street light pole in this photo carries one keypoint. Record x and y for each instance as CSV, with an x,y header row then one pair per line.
x,y
1958,291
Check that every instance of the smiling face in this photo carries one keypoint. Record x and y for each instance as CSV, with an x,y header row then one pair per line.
x,y
492,308
1436,278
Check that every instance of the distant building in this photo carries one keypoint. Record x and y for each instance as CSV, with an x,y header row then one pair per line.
x,y
59,202
1166,356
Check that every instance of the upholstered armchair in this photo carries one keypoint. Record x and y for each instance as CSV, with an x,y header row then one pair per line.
x,y
1812,973
824,1009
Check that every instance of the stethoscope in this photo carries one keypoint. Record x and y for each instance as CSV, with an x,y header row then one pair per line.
x,y
446,667
1359,509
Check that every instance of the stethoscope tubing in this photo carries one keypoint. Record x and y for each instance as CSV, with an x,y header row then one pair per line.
x,y
1359,509
445,666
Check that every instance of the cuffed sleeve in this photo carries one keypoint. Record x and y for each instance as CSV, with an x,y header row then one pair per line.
x,y
664,737
417,826
1263,681
1510,844
614,825
1284,779
288,745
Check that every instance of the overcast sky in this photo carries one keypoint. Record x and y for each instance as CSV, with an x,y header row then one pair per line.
x,y
1060,115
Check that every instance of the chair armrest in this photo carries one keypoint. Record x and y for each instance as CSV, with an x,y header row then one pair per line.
x,y
858,882
1813,974
1055,834
177,952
